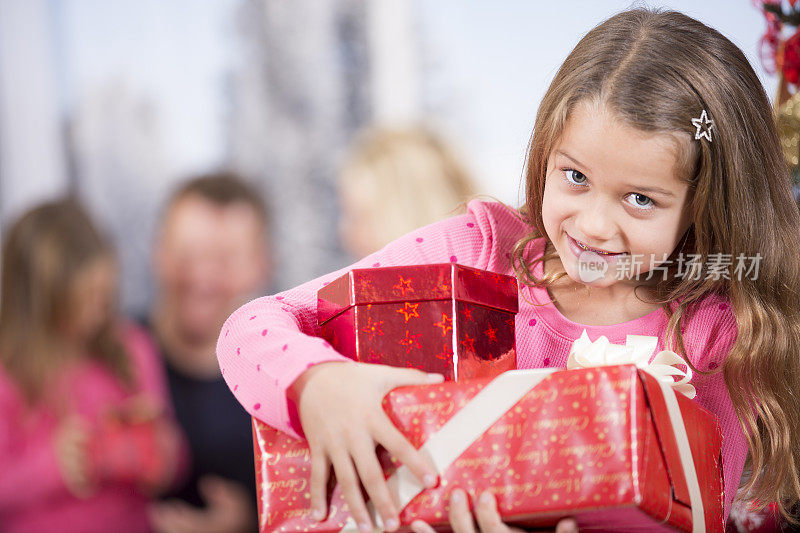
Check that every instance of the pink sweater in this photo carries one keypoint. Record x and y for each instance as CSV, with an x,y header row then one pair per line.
x,y
266,344
33,497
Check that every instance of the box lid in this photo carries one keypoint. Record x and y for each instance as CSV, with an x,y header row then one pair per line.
x,y
441,281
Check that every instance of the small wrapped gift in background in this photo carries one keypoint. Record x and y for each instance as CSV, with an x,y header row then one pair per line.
x,y
444,318
613,446
127,447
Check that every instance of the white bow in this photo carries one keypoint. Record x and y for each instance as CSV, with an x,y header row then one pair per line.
x,y
638,350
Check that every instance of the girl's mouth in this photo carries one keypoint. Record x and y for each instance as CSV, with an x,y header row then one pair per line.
x,y
598,251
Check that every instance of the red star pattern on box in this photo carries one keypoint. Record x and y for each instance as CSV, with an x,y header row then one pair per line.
x,y
446,324
403,286
373,328
468,343
410,341
409,311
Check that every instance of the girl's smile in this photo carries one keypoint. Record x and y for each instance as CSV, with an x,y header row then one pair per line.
x,y
583,247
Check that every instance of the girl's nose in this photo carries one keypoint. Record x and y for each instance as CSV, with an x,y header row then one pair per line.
x,y
596,222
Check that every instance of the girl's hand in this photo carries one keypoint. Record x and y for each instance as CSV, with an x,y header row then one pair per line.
x,y
71,445
340,410
486,514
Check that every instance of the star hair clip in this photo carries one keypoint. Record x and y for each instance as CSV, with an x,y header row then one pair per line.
x,y
704,126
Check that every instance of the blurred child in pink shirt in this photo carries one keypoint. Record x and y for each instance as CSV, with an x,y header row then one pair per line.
x,y
84,434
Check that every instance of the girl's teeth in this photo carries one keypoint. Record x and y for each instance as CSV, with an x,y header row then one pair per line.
x,y
584,247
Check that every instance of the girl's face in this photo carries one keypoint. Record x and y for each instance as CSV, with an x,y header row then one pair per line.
x,y
613,203
92,297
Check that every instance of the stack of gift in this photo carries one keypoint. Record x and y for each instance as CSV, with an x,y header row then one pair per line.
x,y
616,447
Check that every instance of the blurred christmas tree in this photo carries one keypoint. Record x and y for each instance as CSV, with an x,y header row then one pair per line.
x,y
780,54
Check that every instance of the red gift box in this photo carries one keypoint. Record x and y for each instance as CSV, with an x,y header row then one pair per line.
x,y
127,451
445,318
611,446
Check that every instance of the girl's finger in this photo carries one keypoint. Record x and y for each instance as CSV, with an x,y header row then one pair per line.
x,y
460,517
320,467
488,517
371,474
387,435
568,525
351,488
418,526
398,377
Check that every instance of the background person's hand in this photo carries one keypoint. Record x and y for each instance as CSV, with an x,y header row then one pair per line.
x,y
169,461
486,515
141,407
71,445
339,404
229,509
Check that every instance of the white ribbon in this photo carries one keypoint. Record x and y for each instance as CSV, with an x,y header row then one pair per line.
x,y
687,462
637,350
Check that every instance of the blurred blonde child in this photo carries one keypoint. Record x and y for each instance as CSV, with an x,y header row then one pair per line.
x,y
396,180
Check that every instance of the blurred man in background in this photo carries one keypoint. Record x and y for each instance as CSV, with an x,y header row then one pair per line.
x,y
210,256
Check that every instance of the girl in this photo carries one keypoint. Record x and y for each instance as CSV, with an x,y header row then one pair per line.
x,y
396,180
657,203
83,433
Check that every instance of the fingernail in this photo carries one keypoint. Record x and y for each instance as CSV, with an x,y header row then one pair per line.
x,y
365,527
457,496
486,497
435,378
392,524
429,480
318,515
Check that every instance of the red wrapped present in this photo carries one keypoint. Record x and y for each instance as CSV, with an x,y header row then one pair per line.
x,y
613,446
445,318
128,451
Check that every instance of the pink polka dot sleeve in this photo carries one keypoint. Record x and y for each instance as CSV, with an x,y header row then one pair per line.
x,y
267,343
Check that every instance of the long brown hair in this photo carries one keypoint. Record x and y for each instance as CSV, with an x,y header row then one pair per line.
x,y
656,70
43,253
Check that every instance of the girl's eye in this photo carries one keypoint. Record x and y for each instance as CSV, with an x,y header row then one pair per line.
x,y
574,177
640,201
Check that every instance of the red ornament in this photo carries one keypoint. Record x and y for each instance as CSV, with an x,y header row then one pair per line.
x,y
791,59
769,43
